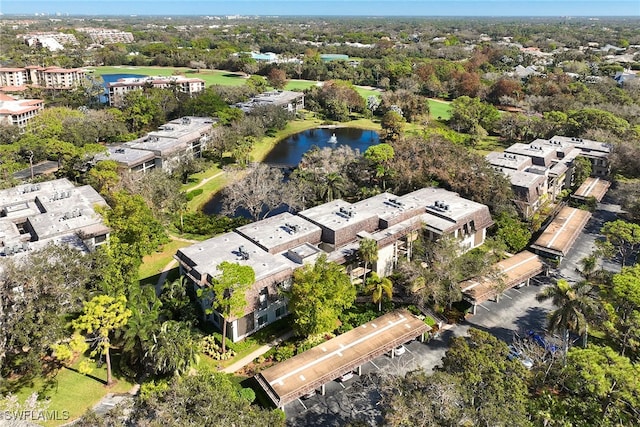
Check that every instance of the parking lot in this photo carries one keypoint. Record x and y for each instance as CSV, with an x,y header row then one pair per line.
x,y
517,311
357,399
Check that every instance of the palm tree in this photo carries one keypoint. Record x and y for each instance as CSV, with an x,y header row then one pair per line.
x,y
575,304
334,186
368,252
379,287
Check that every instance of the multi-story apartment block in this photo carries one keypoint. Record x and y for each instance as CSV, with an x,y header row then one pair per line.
x,y
107,36
290,101
181,138
18,112
275,247
12,79
117,90
546,167
34,215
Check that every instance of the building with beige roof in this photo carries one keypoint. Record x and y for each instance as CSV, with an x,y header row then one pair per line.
x,y
33,215
276,246
117,90
163,148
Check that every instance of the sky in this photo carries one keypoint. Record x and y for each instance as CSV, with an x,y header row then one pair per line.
x,y
591,8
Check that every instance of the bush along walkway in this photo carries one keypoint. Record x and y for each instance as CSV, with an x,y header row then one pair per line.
x,y
236,366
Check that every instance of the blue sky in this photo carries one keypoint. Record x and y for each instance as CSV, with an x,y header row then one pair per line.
x,y
330,7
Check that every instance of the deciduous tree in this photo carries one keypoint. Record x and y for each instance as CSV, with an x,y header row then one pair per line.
x,y
100,318
318,294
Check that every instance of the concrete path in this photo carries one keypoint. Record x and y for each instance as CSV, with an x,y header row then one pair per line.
x,y
204,181
259,352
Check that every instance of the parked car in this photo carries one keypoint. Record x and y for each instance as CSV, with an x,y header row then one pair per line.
x,y
345,377
399,351
309,395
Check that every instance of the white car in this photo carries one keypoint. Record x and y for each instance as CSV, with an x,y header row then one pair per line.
x,y
399,351
345,377
309,395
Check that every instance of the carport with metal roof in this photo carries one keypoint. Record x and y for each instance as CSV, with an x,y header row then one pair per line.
x,y
592,187
308,371
510,272
557,239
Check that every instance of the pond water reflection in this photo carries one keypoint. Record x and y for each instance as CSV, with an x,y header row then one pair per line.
x,y
288,152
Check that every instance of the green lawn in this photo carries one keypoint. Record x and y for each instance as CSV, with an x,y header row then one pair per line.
x,y
73,392
211,77
154,263
439,109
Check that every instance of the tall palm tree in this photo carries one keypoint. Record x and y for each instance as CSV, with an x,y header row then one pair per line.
x,y
575,304
334,186
368,252
379,287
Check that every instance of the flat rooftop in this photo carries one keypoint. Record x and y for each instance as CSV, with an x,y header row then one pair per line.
x,y
508,160
584,144
389,206
126,155
235,248
281,231
49,210
511,272
533,150
592,187
307,371
524,179
338,214
562,232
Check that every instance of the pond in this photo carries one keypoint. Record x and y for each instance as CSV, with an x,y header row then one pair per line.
x,y
288,152
110,78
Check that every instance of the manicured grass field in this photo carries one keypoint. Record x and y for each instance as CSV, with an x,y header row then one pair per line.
x,y
439,109
154,263
73,392
211,77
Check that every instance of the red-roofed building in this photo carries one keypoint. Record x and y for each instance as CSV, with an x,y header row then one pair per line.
x,y
18,111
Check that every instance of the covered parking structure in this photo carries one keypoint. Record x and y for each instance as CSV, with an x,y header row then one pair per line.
x,y
511,272
308,371
592,187
557,239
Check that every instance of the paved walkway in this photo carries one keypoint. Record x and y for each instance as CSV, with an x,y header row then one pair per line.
x,y
204,181
259,352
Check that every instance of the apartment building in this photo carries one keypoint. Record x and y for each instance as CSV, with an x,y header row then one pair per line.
x,y
34,215
117,90
12,79
275,247
290,101
185,137
107,35
542,169
18,112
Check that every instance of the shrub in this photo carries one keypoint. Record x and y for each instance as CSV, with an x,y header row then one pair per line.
x,y
284,352
191,194
210,347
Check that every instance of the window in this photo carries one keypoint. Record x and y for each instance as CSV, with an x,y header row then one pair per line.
x,y
100,239
281,311
262,320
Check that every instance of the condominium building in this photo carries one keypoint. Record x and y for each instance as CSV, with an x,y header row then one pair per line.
x,y
542,169
185,137
275,247
12,79
117,90
34,215
107,36
19,112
